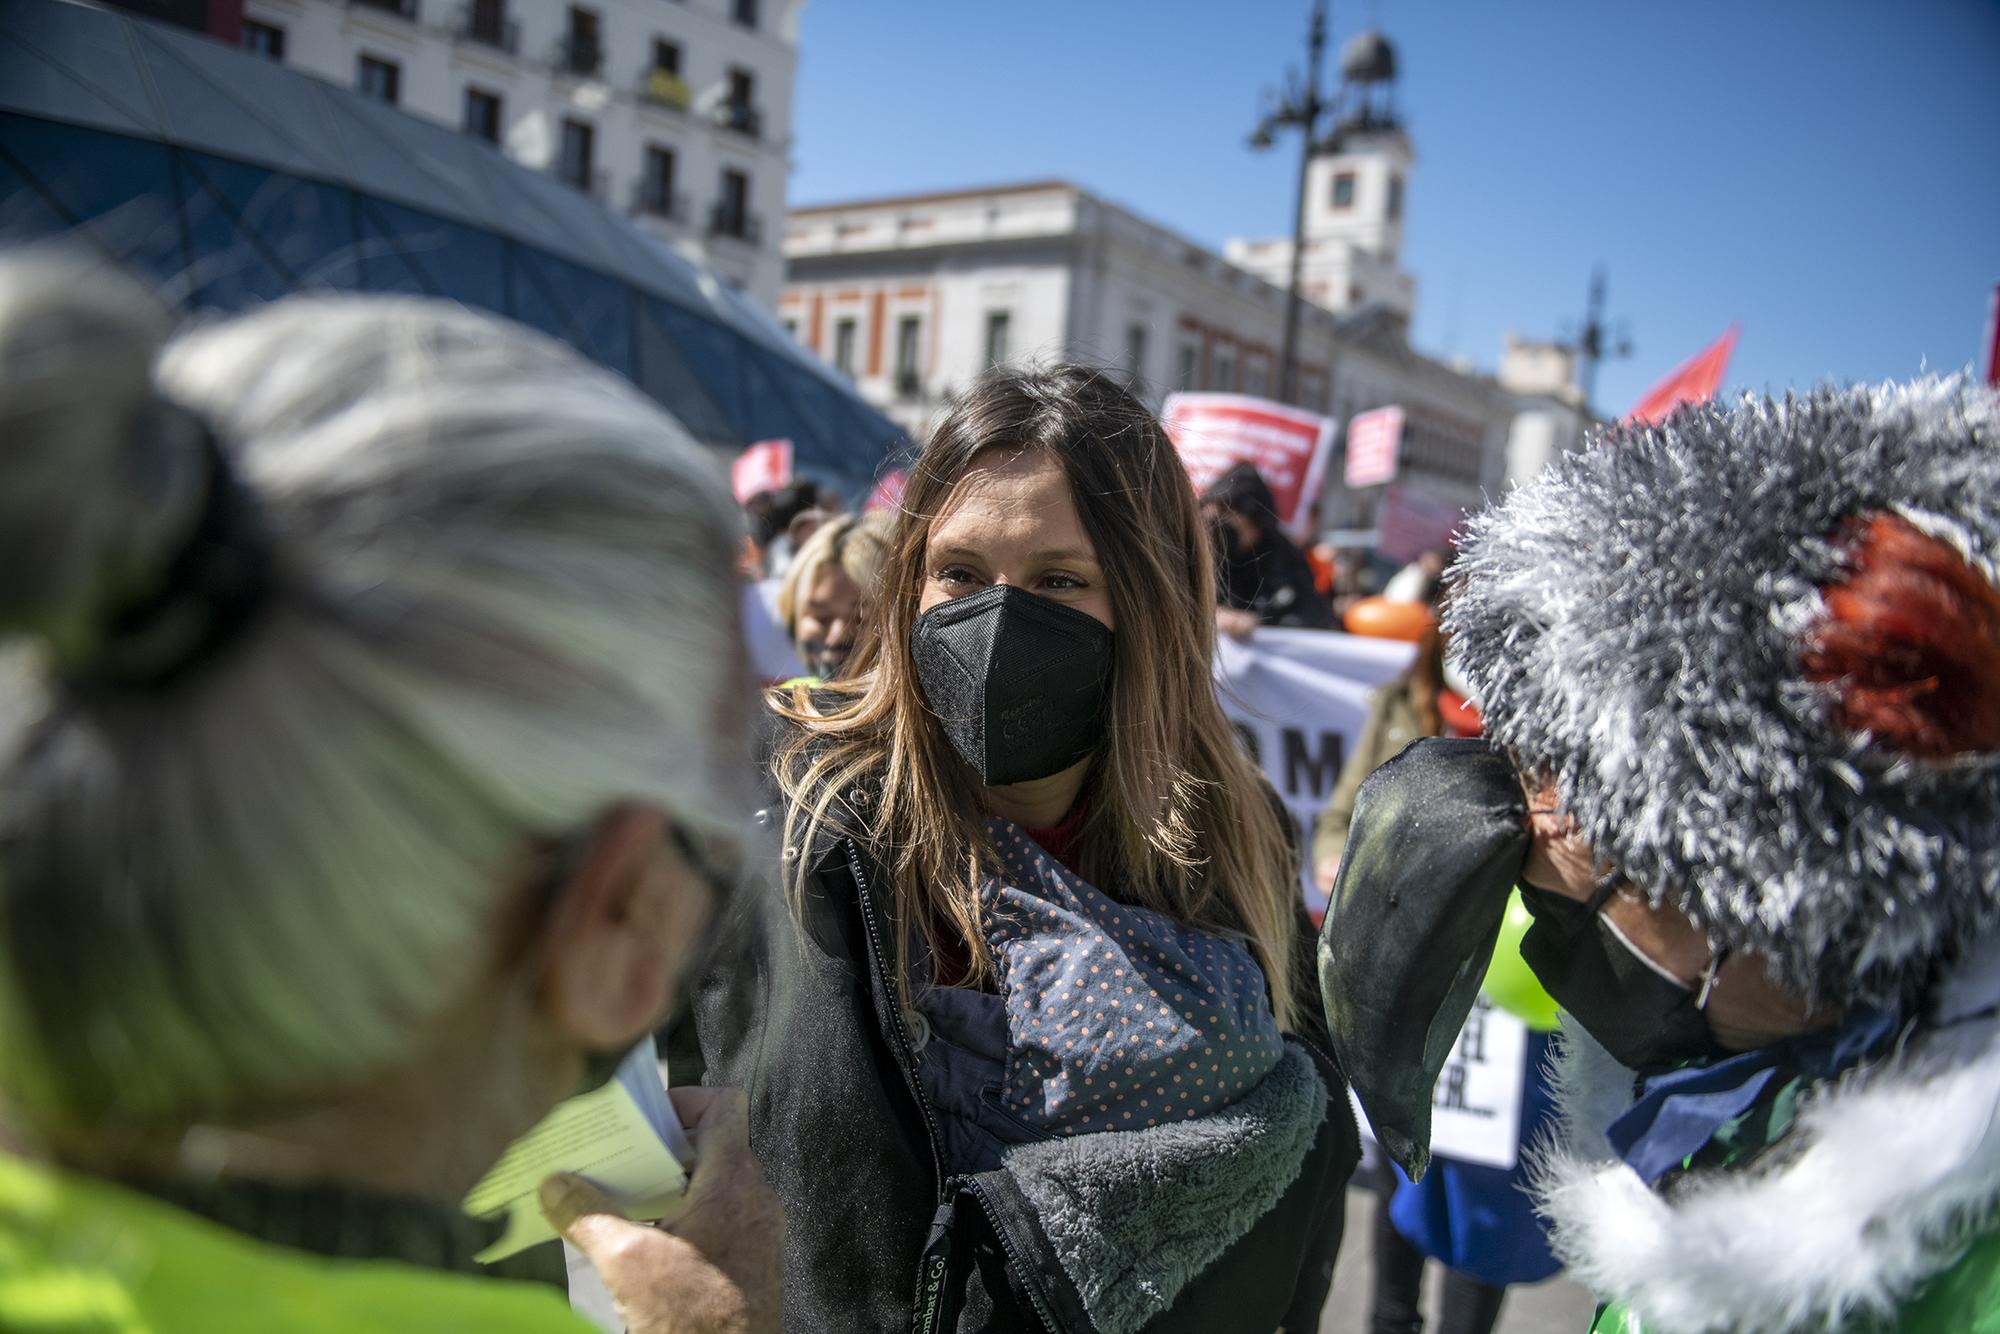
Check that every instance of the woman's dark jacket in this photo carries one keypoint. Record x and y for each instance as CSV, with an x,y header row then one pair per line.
x,y
804,1018
1272,578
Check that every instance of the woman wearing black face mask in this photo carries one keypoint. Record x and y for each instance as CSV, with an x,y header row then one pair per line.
x,y
1748,663
1043,895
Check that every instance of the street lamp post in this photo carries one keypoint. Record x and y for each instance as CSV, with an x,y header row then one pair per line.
x,y
1300,108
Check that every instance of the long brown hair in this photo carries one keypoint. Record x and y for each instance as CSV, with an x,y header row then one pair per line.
x,y
1180,820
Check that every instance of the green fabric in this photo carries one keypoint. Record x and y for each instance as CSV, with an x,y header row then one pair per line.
x,y
79,1256
1965,1299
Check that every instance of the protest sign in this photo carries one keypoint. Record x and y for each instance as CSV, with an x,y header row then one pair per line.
x,y
888,492
1289,447
1374,439
1476,1104
1299,699
764,466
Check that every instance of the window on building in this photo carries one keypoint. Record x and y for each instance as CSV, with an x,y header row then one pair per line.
x,y
739,110
843,346
909,330
732,209
1225,369
996,337
1190,367
1253,377
666,56
791,327
583,45
744,12
264,39
1395,198
486,22
656,184
379,79
482,115
1135,349
1343,190
579,149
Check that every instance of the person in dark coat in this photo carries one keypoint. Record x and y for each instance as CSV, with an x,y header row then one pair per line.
x,y
1258,568
1039,1051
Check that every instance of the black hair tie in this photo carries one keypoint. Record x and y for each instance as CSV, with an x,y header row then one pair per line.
x,y
208,592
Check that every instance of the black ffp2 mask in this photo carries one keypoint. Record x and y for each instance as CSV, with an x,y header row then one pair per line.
x,y
1020,683
1645,1021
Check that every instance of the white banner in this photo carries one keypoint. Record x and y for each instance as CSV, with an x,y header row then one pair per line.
x,y
1299,698
1476,1105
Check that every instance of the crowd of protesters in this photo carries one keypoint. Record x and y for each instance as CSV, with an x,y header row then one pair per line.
x,y
382,758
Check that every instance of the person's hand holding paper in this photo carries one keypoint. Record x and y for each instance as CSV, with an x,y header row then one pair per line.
x,y
715,1267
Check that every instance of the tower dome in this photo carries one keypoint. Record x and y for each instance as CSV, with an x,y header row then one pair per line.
x,y
1367,58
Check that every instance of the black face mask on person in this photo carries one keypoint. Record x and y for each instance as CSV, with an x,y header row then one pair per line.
x,y
1646,1020
1020,683
1439,837
822,659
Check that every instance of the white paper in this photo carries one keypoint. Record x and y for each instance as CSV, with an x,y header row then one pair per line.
x,y
623,1137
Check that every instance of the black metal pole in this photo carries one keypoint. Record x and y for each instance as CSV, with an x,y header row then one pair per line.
x,y
1288,366
1590,346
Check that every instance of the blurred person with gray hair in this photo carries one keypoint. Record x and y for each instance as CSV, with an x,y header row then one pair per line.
x,y
373,754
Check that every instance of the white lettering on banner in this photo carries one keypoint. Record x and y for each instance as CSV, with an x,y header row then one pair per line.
x,y
1288,446
1299,699
1373,441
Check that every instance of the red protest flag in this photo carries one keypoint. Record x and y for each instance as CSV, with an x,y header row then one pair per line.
x,y
1693,381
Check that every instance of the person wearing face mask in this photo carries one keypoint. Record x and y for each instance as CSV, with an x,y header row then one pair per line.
x,y
1055,1065
1262,576
823,600
373,741
1741,676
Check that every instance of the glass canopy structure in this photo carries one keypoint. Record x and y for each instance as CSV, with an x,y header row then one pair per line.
x,y
226,179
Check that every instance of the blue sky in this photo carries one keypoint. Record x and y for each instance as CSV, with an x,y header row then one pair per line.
x,y
1828,173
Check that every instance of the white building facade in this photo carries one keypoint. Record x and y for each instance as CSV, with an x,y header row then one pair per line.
x,y
676,112
913,297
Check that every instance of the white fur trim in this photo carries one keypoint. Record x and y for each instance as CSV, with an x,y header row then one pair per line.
x,y
1883,1180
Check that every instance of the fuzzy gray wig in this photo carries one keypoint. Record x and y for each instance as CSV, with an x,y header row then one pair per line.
x,y
1632,623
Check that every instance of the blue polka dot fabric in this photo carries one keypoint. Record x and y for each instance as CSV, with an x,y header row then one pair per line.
x,y
1118,1018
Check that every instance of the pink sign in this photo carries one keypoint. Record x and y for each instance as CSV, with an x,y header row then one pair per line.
x,y
1410,523
1289,446
1373,441
888,493
765,466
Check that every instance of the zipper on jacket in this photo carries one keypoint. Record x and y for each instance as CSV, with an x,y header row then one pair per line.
x,y
935,1302
898,1033
936,1309
1015,1261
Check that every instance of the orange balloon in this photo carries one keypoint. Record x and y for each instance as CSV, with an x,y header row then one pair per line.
x,y
1380,618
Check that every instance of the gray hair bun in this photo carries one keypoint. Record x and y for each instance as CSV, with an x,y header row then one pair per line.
x,y
125,543
1632,623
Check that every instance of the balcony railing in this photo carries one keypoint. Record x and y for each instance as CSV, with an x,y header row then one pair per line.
x,y
580,56
649,201
740,117
596,184
488,28
737,223
406,9
909,386
665,88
